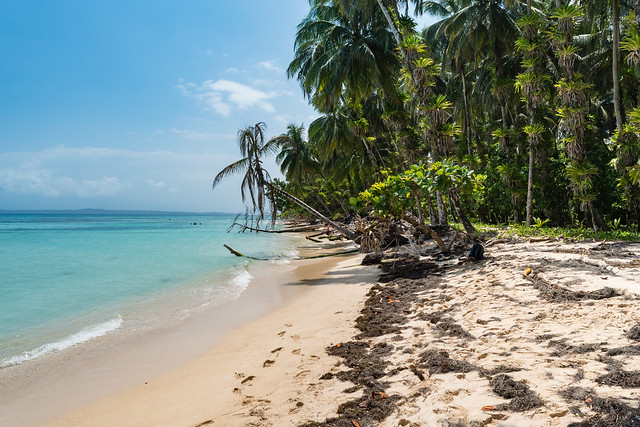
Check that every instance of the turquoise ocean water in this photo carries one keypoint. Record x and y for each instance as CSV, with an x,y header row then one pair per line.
x,y
68,278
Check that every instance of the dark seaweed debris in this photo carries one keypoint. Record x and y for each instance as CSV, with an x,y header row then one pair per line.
x,y
634,333
563,348
382,313
522,397
406,268
372,259
366,367
439,362
556,293
451,328
625,379
387,306
608,411
628,349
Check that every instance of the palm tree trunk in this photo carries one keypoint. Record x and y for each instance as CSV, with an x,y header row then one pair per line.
x,y
467,116
432,212
419,208
614,64
530,177
398,37
468,227
392,26
442,210
348,233
530,185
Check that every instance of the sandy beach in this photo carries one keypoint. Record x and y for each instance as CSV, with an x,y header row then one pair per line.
x,y
539,333
82,385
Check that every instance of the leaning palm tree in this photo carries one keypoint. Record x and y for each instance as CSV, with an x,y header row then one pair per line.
x,y
257,181
253,149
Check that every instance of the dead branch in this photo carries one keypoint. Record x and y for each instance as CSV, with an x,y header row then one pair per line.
x,y
428,231
283,230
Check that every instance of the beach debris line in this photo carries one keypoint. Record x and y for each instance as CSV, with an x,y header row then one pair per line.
x,y
301,229
454,333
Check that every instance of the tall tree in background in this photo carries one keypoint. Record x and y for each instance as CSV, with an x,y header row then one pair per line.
x,y
573,111
257,181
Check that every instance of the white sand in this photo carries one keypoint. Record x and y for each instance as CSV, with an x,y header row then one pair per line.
x,y
265,372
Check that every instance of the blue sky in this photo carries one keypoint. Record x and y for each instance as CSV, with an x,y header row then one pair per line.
x,y
136,104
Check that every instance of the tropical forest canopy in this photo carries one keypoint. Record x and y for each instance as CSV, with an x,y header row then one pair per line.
x,y
500,112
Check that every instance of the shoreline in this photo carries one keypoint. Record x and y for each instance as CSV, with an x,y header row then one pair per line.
x,y
537,333
64,383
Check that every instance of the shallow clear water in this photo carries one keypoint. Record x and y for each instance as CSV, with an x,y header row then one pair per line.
x,y
65,279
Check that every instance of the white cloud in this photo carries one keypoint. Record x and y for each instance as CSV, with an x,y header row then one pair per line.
x,y
69,178
223,95
268,65
242,96
29,179
156,184
104,186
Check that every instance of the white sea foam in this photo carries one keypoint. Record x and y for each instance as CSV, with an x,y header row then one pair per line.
x,y
84,335
285,256
241,279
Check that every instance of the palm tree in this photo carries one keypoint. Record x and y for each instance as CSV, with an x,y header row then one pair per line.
x,y
256,178
296,158
531,83
615,21
257,181
342,53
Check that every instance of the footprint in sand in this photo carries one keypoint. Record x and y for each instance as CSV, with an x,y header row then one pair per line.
x,y
249,378
282,333
276,350
296,408
302,374
288,325
297,351
268,363
295,337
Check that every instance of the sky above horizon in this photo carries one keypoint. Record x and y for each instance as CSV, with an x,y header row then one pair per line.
x,y
136,105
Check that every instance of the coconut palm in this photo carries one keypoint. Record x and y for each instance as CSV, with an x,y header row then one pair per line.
x,y
257,181
252,148
342,52
296,159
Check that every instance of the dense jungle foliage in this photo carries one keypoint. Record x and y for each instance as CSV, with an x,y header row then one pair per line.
x,y
501,112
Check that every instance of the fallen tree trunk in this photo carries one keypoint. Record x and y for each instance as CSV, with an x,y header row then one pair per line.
x,y
283,230
428,231
340,228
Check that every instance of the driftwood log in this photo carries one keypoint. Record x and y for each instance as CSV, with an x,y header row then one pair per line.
x,y
282,230
240,254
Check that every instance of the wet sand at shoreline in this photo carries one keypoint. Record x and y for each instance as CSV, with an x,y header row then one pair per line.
x,y
55,384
